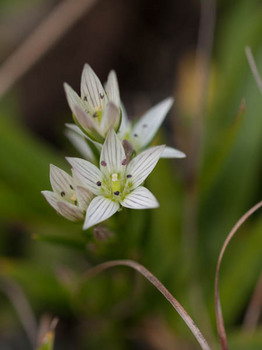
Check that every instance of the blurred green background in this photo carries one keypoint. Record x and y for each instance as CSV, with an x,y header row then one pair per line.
x,y
152,47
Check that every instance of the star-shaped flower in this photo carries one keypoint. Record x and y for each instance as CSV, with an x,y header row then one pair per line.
x,y
69,197
98,109
141,133
117,183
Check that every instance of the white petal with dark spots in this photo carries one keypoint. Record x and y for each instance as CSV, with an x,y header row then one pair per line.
x,y
112,154
70,211
88,173
61,182
142,165
147,126
84,197
92,90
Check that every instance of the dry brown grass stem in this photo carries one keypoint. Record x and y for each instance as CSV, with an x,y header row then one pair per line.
x,y
160,287
57,23
219,316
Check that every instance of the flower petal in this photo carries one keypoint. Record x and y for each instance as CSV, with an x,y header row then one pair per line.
x,y
77,130
140,198
110,119
141,166
70,211
112,154
88,173
84,197
92,90
80,144
125,123
52,198
146,127
170,152
61,182
84,119
73,99
112,89
99,210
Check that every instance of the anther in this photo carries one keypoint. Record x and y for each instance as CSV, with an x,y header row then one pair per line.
x,y
124,161
128,176
117,193
85,98
75,202
99,183
71,187
135,135
103,163
62,194
101,95
95,115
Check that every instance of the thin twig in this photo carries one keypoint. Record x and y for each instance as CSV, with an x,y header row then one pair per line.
x,y
253,67
254,309
21,305
162,289
219,317
57,23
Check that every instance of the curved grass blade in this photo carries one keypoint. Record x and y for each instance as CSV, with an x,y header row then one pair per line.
x,y
160,287
21,305
219,317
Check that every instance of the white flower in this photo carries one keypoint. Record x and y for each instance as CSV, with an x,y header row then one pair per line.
x,y
98,109
116,183
69,197
141,133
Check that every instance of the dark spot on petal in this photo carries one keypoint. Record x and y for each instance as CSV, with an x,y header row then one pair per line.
x,y
103,163
85,98
117,193
71,187
95,115
75,202
101,95
99,183
135,135
128,176
124,161
144,125
62,194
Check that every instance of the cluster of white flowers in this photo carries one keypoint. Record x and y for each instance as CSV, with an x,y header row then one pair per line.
x,y
102,132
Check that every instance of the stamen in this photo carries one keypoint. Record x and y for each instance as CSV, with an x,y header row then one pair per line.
x,y
99,183
95,115
128,176
71,187
75,202
117,193
135,135
124,161
103,163
101,95
85,98
62,194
